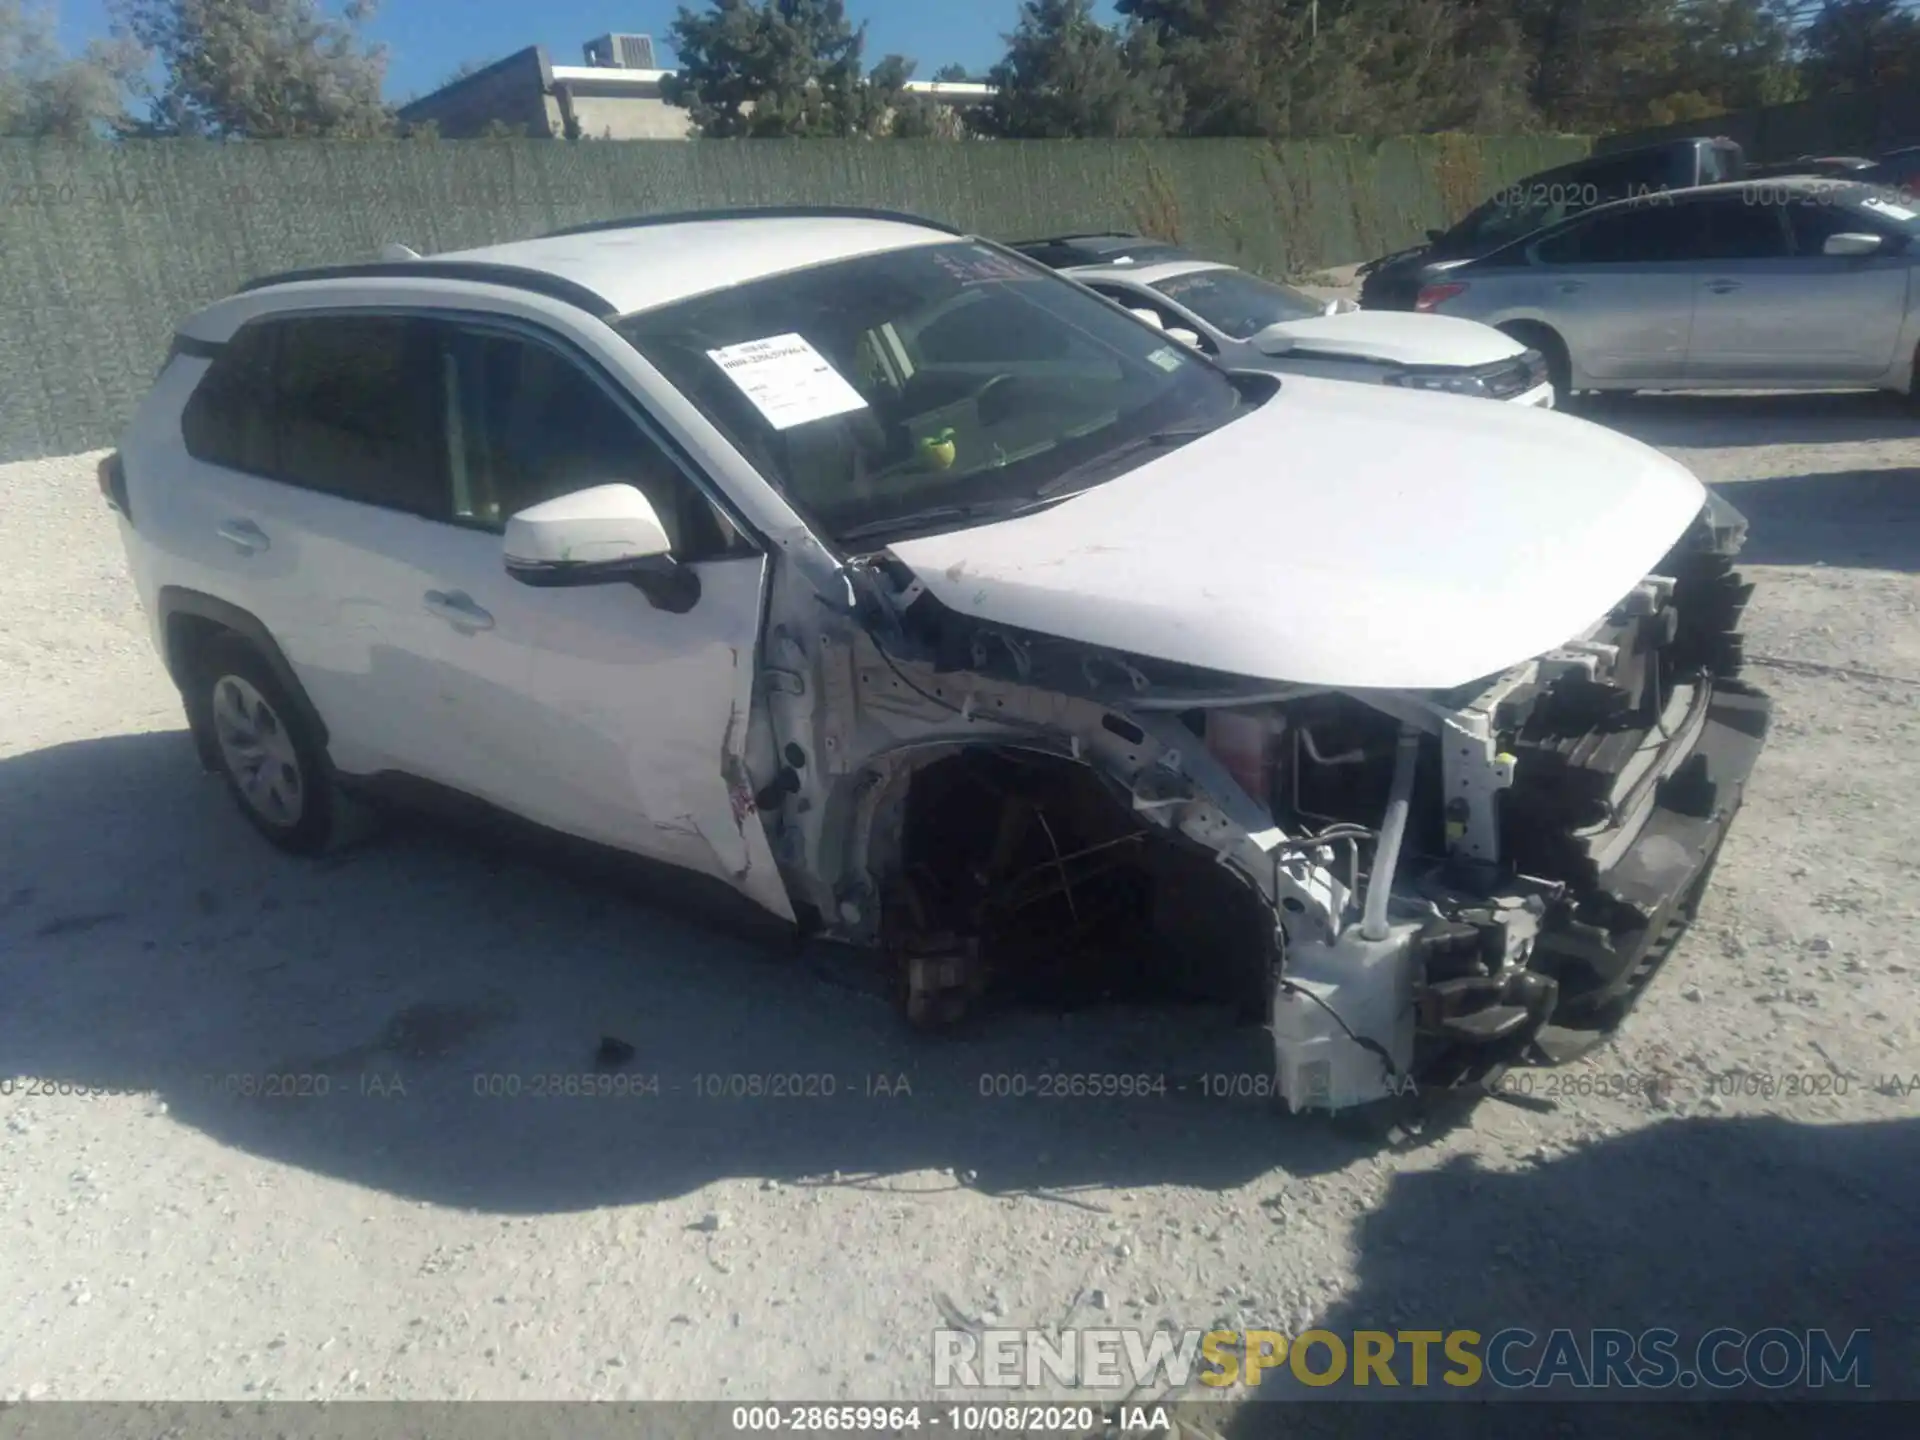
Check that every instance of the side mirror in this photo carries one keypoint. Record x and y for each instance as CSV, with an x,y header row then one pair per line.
x,y
1150,317
1188,338
601,536
1851,243
1274,340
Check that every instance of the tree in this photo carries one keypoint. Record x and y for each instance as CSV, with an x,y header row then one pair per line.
x,y
890,109
260,69
1067,76
1416,66
1729,55
1863,45
1284,68
44,93
775,68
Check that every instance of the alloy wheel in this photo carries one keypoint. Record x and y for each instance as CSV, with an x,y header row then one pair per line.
x,y
258,752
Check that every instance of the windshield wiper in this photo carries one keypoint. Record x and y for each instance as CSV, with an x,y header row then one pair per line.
x,y
1046,494
1159,440
920,519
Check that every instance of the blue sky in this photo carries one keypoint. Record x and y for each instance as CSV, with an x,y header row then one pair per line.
x,y
426,39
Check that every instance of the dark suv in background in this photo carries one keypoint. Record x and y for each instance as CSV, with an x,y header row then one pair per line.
x,y
1393,281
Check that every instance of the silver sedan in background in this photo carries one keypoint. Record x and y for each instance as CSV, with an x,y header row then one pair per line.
x,y
1804,283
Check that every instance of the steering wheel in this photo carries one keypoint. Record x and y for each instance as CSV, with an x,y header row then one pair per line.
x,y
984,402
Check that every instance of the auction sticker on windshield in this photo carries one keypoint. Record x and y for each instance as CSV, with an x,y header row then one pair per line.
x,y
788,380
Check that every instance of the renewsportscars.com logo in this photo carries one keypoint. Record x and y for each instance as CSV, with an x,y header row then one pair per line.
x,y
1511,1359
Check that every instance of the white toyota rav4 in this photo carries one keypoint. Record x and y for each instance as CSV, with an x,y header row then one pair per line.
x,y
917,596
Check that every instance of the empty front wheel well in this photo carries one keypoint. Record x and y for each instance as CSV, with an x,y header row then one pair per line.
x,y
1070,895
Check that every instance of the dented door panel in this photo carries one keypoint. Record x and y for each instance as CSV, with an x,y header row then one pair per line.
x,y
644,725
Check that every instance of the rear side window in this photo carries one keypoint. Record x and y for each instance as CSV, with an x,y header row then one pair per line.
x,y
343,404
358,410
228,420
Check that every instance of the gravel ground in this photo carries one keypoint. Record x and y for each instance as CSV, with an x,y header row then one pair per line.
x,y
406,1237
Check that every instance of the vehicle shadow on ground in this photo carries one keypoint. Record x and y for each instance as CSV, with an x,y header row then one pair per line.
x,y
1701,420
1690,1225
149,941
1858,519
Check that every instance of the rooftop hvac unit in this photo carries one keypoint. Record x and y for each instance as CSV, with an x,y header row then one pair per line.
x,y
621,52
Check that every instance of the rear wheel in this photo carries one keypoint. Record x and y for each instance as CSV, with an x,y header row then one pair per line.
x,y
273,763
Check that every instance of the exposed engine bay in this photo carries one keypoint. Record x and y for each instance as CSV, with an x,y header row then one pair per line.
x,y
1408,887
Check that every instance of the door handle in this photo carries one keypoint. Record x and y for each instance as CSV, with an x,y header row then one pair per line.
x,y
1723,287
244,536
457,609
1569,287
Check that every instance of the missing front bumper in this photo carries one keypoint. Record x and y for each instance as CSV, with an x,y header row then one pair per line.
x,y
1358,1021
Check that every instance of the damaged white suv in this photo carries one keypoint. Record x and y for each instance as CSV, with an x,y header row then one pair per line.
x,y
933,604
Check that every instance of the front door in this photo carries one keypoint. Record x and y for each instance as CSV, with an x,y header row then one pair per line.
x,y
625,724
1771,308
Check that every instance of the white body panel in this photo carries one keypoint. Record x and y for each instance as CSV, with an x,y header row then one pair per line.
x,y
1400,337
1339,536
583,709
1371,539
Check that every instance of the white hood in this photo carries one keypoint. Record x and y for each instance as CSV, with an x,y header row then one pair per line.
x,y
1402,338
1341,535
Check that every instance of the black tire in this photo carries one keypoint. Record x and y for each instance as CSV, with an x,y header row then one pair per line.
x,y
1554,351
264,750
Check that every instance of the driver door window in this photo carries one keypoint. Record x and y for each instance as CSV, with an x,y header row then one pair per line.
x,y
527,424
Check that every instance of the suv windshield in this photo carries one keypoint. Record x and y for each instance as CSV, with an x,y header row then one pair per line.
x,y
926,387
1238,304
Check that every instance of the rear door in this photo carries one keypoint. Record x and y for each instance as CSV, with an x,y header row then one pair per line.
x,y
319,435
1619,289
1770,308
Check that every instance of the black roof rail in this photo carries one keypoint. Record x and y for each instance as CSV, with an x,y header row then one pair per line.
x,y
484,272
756,212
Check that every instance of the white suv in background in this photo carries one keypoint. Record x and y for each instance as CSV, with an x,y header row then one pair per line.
x,y
917,598
1246,322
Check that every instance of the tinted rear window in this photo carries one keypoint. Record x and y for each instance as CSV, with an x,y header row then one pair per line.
x,y
228,420
344,404
358,410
